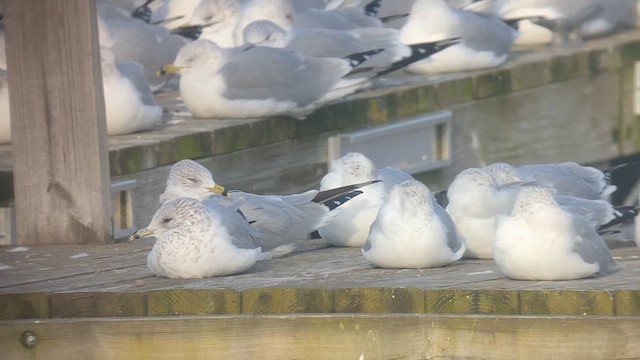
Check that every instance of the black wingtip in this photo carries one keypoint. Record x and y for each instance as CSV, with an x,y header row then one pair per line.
x,y
192,32
314,235
143,12
358,58
622,214
372,8
333,198
419,52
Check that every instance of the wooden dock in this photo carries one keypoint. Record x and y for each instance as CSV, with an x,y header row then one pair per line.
x,y
318,303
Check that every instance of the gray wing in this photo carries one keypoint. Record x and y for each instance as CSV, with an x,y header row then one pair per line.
x,y
243,235
567,178
486,32
279,223
316,18
590,246
298,199
135,73
324,43
267,73
594,212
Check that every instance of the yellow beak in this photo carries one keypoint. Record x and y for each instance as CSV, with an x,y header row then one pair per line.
x,y
168,69
220,190
140,234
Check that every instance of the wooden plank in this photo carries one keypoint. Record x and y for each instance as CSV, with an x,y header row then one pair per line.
x,y
628,302
380,300
287,301
24,306
472,302
194,302
566,302
97,304
335,337
58,124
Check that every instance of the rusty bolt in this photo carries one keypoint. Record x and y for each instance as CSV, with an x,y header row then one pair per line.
x,y
28,339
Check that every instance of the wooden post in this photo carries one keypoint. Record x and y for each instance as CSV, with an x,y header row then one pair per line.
x,y
58,124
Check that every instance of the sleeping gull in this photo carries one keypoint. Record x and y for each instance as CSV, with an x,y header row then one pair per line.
x,y
475,200
542,241
196,241
218,18
351,226
412,231
282,220
129,103
486,40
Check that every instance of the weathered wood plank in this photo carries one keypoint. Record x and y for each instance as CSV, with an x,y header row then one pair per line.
x,y
328,337
24,306
566,302
287,301
380,300
194,302
59,133
97,304
628,302
472,302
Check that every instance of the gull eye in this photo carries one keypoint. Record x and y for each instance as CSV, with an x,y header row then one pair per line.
x,y
167,220
192,180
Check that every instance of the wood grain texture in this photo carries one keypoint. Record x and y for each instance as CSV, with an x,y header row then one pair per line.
x,y
380,300
333,337
287,301
567,302
193,302
472,302
59,132
24,306
97,304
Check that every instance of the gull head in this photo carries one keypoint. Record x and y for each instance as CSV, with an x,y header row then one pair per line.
x,y
187,178
411,196
176,215
197,54
534,199
214,12
265,33
503,173
354,168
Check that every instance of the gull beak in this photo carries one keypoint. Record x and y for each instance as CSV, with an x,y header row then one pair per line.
x,y
217,189
140,234
168,69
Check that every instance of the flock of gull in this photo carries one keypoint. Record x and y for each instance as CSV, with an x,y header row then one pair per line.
x,y
537,222
259,58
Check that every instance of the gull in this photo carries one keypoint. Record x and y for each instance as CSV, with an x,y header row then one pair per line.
x,y
475,201
134,40
551,20
195,240
129,103
279,12
263,81
218,19
351,226
540,240
281,219
485,43
412,230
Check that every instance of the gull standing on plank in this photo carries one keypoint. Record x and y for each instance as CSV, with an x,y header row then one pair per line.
x,y
412,231
540,240
282,220
129,103
351,226
197,241
486,39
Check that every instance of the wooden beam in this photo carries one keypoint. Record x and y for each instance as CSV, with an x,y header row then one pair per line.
x,y
397,336
57,118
